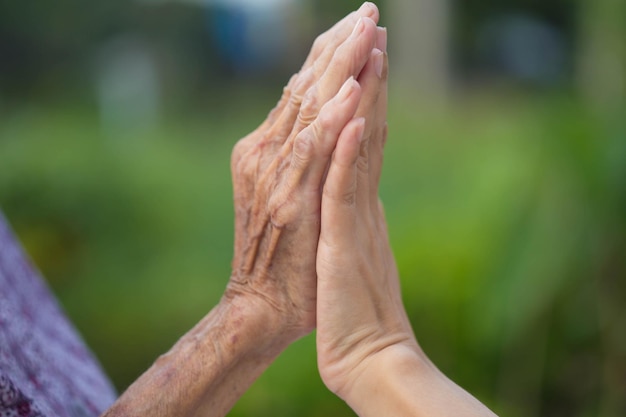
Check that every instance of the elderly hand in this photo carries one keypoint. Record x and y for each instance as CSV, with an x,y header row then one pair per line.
x,y
278,172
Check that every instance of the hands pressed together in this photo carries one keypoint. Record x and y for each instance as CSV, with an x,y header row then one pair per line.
x,y
311,252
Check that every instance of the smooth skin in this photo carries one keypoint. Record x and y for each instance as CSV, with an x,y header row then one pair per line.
x,y
367,352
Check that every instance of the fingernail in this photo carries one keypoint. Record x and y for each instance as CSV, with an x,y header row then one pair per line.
x,y
381,39
369,6
378,62
346,89
358,28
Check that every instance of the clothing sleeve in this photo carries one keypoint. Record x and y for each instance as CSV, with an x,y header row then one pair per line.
x,y
45,367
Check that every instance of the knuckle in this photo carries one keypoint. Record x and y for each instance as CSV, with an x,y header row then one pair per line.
x,y
378,139
282,211
343,57
309,108
273,204
362,165
319,43
288,89
246,170
291,83
303,147
246,166
348,198
295,100
300,87
326,120
237,153
285,98
343,197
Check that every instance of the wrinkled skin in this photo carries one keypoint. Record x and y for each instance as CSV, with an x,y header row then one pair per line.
x,y
278,172
311,249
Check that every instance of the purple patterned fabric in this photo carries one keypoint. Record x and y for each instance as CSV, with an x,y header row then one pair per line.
x,y
45,368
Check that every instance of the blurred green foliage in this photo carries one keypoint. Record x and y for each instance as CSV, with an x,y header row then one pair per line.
x,y
507,209
506,214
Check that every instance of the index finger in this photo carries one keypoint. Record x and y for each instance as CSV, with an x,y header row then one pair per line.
x,y
325,44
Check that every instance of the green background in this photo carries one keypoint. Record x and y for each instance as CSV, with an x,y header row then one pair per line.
x,y
506,209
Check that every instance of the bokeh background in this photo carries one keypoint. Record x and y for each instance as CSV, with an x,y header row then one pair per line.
x,y
504,184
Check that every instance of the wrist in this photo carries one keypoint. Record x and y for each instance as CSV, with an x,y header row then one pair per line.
x,y
378,378
252,327
209,368
376,373
402,382
279,315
